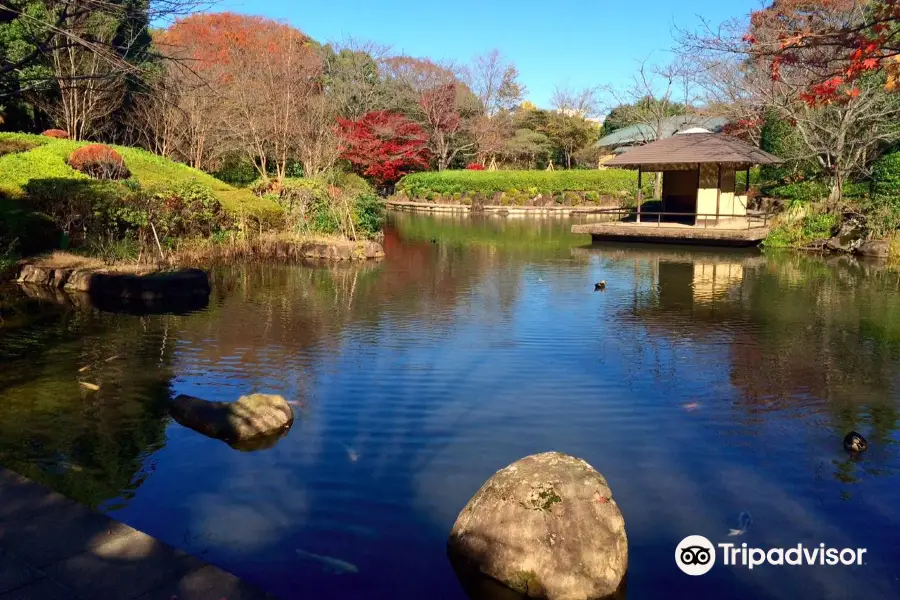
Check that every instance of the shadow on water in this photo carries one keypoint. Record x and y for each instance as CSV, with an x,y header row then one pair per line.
x,y
701,383
127,305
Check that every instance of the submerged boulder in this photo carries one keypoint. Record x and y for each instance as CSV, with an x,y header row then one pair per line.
x,y
875,249
253,422
129,289
546,526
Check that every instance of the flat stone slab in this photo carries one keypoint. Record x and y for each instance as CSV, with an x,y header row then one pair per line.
x,y
724,234
140,292
53,548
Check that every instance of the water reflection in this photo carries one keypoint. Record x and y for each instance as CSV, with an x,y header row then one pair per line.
x,y
703,384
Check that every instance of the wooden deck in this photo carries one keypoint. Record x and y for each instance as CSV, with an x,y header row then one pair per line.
x,y
731,232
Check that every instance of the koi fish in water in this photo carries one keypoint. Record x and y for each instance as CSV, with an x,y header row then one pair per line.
x,y
329,564
744,522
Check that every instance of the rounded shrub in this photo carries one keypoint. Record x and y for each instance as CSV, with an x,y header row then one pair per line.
x,y
236,170
572,199
189,208
58,134
99,162
351,182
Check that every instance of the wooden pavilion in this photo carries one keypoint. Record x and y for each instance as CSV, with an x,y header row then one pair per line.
x,y
699,173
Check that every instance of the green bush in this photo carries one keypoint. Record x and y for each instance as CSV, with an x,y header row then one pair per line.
x,y
886,175
803,191
299,199
609,182
350,182
236,170
185,209
800,233
368,214
822,225
77,206
882,207
816,190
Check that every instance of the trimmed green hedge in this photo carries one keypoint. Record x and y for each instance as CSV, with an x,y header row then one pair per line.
x,y
608,182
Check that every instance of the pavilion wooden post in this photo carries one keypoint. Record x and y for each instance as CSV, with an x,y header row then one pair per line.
x,y
747,192
640,195
718,192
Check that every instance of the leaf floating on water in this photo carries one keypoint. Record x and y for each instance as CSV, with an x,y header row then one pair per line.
x,y
91,386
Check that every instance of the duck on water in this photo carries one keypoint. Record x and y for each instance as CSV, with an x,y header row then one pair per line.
x,y
855,443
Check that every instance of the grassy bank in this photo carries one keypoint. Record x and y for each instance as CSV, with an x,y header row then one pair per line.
x,y
29,158
157,210
45,203
800,226
806,227
570,188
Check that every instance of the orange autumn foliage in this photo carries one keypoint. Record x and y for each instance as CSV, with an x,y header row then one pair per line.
x,y
99,161
218,41
56,133
258,82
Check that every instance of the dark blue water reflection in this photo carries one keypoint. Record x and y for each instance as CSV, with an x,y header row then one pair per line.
x,y
701,383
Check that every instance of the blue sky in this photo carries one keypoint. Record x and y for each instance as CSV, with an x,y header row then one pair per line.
x,y
578,42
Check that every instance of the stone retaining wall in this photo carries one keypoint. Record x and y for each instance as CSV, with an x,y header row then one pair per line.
x,y
543,211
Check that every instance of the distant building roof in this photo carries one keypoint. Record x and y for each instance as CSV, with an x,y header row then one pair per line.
x,y
693,148
642,134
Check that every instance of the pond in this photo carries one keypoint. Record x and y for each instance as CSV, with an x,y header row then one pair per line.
x,y
702,383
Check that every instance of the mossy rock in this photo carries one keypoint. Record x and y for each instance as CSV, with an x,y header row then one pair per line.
x,y
546,526
249,423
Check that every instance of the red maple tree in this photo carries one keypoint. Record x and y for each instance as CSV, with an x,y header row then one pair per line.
x,y
384,146
834,42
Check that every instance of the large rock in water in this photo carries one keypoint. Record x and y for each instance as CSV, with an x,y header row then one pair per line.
x,y
850,237
249,424
546,526
875,249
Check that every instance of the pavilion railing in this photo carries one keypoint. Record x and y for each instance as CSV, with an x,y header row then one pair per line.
x,y
755,219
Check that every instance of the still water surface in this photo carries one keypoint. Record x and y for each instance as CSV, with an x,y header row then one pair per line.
x,y
701,383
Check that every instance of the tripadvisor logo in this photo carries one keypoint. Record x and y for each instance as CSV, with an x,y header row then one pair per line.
x,y
696,555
